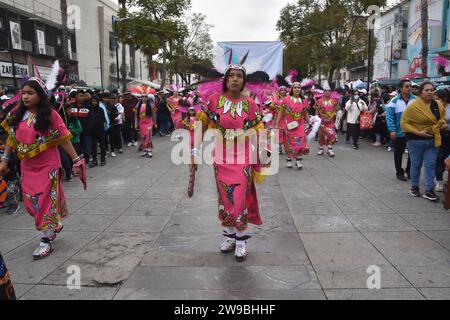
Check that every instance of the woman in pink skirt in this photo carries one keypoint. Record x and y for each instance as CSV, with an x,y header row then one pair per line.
x,y
145,125
293,114
35,132
232,114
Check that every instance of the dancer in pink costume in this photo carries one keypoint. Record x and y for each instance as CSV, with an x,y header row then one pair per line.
x,y
326,109
293,114
188,123
35,132
237,199
174,106
146,122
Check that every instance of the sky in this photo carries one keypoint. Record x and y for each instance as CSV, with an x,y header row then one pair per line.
x,y
243,20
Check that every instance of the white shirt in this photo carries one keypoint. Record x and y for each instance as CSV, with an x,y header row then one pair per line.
x,y
353,112
121,111
4,97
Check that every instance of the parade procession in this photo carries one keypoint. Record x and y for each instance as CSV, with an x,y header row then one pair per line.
x,y
242,151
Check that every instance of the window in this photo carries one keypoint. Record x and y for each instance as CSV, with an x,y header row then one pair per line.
x,y
387,35
112,42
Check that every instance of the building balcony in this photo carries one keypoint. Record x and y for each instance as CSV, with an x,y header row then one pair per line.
x,y
50,51
27,46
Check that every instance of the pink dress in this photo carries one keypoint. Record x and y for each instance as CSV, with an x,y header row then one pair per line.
x,y
276,106
41,168
327,110
176,113
295,110
238,203
145,127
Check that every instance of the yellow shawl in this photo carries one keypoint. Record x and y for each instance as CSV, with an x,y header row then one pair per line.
x,y
419,117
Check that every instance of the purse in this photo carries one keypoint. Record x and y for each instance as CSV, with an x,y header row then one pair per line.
x,y
366,121
292,125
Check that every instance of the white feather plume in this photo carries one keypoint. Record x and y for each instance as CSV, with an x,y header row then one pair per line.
x,y
51,81
315,123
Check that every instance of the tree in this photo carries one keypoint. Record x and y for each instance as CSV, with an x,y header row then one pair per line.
x,y
424,20
65,34
195,47
327,34
153,24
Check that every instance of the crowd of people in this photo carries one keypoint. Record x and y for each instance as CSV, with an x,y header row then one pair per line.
x,y
72,127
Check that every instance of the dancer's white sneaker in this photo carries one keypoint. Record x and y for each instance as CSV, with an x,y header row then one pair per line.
x,y
228,245
241,252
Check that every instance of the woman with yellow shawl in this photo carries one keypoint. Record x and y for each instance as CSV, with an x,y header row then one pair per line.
x,y
423,121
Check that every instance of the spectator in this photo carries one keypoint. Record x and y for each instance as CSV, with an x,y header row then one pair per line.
x,y
116,141
443,96
129,130
98,132
354,107
164,115
422,122
82,111
394,114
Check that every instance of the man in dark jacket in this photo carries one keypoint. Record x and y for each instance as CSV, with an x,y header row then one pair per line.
x,y
164,117
98,132
129,103
81,110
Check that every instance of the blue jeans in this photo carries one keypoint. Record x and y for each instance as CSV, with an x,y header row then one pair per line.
x,y
423,152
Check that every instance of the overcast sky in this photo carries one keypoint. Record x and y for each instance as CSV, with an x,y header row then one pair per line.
x,y
243,20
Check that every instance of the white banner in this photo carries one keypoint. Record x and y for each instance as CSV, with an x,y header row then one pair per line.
x,y
44,72
41,41
7,72
262,56
16,35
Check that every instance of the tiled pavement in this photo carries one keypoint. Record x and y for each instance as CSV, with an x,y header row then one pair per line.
x,y
136,235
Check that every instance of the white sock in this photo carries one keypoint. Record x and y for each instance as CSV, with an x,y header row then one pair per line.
x,y
230,230
47,234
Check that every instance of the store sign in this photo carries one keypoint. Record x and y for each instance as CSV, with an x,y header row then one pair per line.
x,y
6,70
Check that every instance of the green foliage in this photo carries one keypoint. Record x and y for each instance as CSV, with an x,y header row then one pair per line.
x,y
324,34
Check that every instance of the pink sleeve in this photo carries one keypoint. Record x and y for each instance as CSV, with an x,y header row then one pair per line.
x,y
58,124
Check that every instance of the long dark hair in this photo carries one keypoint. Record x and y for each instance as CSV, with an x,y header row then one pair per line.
x,y
43,121
148,107
291,93
225,80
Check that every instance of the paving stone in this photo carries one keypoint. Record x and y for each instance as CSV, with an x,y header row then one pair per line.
x,y
361,205
422,261
224,278
12,239
323,223
135,224
365,294
442,237
112,207
436,293
24,270
341,260
49,293
429,221
107,261
241,295
380,222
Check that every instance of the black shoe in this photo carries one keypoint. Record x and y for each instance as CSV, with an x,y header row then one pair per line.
x,y
430,195
355,147
415,192
93,164
402,177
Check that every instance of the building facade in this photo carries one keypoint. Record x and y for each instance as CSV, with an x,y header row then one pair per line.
x,y
438,37
391,56
93,40
31,39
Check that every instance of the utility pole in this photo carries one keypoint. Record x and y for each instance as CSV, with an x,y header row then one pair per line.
x,y
11,50
369,61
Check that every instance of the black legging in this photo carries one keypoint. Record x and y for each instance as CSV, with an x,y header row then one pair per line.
x,y
444,152
98,138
